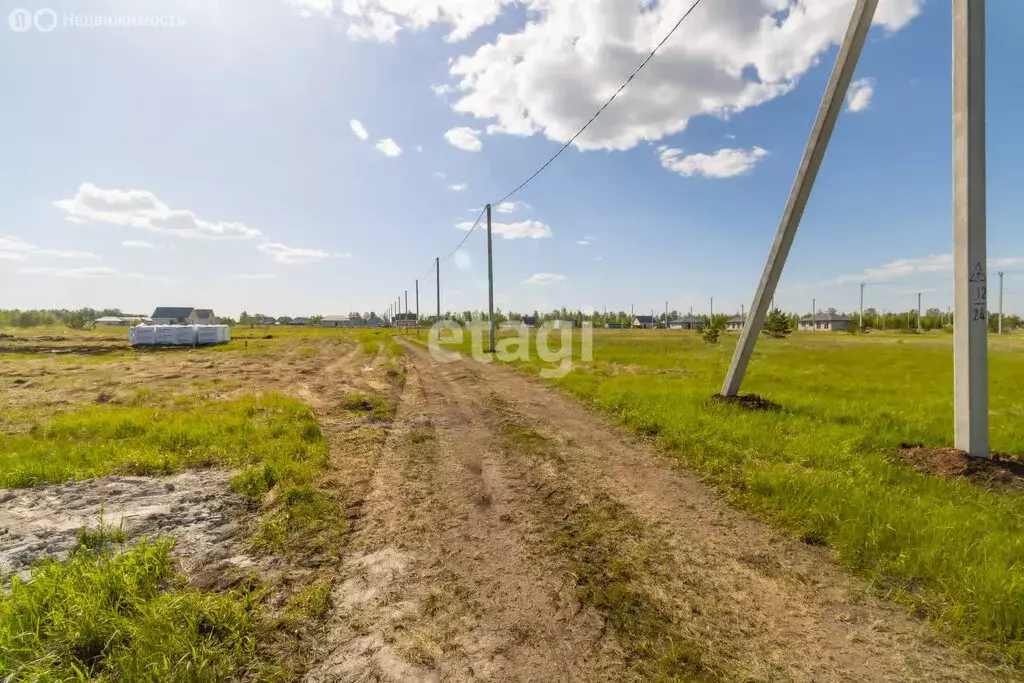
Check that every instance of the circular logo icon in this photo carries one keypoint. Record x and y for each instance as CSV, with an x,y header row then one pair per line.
x,y
20,20
45,20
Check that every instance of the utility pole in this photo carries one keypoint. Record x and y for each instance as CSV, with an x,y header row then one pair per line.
x,y
417,308
437,270
743,311
1000,302
817,144
970,287
490,281
919,312
814,307
884,314
711,320
407,310
862,305
666,314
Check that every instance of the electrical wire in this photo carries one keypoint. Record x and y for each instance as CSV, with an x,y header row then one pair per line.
x,y
603,106
580,132
468,233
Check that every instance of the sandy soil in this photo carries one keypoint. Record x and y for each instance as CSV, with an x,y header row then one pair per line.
x,y
195,507
453,578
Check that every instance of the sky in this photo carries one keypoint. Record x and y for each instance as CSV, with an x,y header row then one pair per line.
x,y
302,157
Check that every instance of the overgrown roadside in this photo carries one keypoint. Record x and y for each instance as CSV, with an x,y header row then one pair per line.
x,y
248,616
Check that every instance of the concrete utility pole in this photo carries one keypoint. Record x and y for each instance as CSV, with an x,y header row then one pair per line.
x,y
407,309
970,287
437,271
824,124
862,305
814,307
711,320
1000,302
919,312
417,308
666,314
743,311
490,281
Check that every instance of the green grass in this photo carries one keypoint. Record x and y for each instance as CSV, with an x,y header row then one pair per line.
x,y
273,434
823,467
123,617
369,404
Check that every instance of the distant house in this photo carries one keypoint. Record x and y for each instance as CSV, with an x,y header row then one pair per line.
x,y
687,322
112,321
404,319
299,321
825,322
203,316
645,322
560,324
513,325
528,321
735,324
172,315
335,321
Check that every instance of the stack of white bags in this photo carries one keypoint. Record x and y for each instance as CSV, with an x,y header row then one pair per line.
x,y
179,335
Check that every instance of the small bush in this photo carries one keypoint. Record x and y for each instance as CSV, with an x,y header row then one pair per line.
x,y
711,334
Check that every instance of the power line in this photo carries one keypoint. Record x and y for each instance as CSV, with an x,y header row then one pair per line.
x,y
468,233
605,105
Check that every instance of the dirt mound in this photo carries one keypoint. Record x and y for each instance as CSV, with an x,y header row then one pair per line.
x,y
747,401
999,471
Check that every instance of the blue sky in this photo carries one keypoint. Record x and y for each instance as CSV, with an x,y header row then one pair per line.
x,y
211,161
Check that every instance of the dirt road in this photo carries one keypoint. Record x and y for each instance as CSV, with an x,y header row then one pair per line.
x,y
510,534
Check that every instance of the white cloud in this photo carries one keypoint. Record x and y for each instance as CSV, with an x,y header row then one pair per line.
x,y
583,243
901,268
511,231
458,187
464,138
550,75
359,129
309,8
138,244
294,255
252,276
724,163
419,148
74,273
142,209
382,20
858,97
543,279
388,147
16,249
440,175
933,263
599,258
510,207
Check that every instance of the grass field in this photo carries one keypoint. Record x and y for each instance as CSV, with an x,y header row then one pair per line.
x,y
122,611
824,466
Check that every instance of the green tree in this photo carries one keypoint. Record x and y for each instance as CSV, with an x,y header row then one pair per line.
x,y
777,324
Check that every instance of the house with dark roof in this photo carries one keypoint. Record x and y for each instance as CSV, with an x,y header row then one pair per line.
x,y
825,322
687,322
403,319
203,316
172,315
735,324
644,322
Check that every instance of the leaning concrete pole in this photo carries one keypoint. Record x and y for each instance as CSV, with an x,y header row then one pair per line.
x,y
970,293
831,105
490,283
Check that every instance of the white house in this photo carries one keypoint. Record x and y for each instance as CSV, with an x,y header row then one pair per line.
x,y
825,322
183,315
112,321
645,322
735,324
687,322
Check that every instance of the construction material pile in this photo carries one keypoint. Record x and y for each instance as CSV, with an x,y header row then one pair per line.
x,y
179,335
